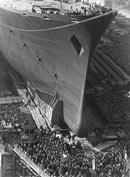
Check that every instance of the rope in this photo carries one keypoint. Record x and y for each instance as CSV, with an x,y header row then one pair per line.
x,y
51,88
4,71
38,62
48,40
9,41
38,46
20,53
51,75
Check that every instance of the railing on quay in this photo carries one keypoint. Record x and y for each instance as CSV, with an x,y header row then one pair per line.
x,y
29,162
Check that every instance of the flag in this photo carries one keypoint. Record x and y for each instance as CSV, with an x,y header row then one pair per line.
x,y
126,160
93,163
125,155
64,158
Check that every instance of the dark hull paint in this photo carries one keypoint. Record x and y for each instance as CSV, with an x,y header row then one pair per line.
x,y
59,69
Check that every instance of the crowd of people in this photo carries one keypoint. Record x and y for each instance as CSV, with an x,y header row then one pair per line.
x,y
11,119
113,163
10,114
53,154
114,107
59,158
89,9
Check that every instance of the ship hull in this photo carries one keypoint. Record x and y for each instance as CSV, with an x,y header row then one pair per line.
x,y
54,57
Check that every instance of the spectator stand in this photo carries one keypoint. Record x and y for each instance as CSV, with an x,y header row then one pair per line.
x,y
11,99
10,116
